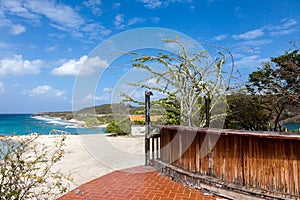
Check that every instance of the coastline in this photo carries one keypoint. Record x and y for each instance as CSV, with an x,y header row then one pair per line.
x,y
77,123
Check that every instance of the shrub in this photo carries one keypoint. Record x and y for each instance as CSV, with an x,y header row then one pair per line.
x,y
119,126
26,169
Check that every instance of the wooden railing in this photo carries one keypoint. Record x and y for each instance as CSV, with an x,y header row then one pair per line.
x,y
261,164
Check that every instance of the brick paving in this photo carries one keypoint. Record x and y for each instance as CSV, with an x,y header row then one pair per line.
x,y
142,182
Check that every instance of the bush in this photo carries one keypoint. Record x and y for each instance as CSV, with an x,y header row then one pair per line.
x,y
119,126
26,169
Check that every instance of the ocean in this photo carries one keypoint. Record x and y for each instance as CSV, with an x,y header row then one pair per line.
x,y
24,124
293,126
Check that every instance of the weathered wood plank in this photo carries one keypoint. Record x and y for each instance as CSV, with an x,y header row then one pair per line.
x,y
244,159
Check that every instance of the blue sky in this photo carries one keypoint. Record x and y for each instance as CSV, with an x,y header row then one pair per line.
x,y
44,43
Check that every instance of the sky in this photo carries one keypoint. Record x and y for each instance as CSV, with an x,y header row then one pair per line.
x,y
45,43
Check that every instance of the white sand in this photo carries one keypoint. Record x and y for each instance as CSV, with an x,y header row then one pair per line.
x,y
86,159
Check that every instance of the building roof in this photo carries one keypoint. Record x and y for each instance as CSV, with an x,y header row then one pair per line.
x,y
142,118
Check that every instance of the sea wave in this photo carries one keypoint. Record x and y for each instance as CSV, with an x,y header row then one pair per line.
x,y
52,120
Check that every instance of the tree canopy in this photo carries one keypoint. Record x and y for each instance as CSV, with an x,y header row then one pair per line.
x,y
185,79
278,83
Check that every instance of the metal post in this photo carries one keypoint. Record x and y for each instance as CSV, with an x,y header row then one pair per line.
x,y
207,108
147,132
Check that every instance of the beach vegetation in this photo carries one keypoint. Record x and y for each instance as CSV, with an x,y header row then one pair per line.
x,y
119,125
27,169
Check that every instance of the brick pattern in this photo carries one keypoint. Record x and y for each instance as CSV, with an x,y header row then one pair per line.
x,y
142,182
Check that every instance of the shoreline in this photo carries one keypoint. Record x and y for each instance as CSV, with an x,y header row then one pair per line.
x,y
77,123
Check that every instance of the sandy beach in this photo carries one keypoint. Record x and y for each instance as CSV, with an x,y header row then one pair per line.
x,y
90,156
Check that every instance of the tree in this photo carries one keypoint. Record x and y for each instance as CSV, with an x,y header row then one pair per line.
x,y
245,112
26,169
119,125
278,83
185,79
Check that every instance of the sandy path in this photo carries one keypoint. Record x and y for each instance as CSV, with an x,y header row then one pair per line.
x,y
90,156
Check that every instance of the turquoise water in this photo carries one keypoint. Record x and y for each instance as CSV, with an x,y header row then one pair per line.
x,y
24,124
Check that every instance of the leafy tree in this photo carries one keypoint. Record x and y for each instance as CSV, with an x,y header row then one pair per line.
x,y
245,112
278,82
185,80
119,125
26,169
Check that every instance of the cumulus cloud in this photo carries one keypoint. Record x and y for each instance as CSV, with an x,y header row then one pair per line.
x,y
12,28
17,29
2,87
83,66
119,19
45,91
61,16
250,35
18,66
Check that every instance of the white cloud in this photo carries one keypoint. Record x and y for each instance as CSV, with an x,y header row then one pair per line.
x,y
13,29
221,37
17,66
257,42
286,27
17,29
155,19
119,19
136,20
62,17
108,90
70,67
15,7
105,97
83,66
94,6
250,35
90,99
2,87
287,23
95,30
45,91
250,62
116,5
4,45
283,32
51,48
59,13
151,4
120,22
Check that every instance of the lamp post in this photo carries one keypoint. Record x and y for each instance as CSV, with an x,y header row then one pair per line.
x,y
147,124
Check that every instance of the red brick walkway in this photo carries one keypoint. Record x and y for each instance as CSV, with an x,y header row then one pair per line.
x,y
135,183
